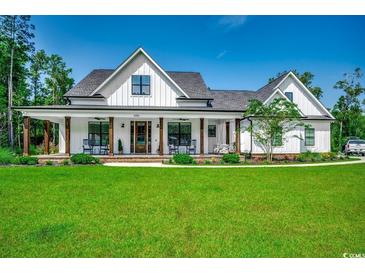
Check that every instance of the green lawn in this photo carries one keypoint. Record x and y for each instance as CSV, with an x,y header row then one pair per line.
x,y
149,212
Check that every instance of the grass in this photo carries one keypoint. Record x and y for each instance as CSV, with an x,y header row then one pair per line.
x,y
96,211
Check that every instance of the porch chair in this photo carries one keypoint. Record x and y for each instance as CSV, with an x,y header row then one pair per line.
x,y
104,149
192,147
173,149
86,147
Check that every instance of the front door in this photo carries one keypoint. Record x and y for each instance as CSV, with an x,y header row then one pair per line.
x,y
140,137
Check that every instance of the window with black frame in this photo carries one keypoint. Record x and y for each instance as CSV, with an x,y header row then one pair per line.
x,y
98,133
309,136
179,133
141,84
212,130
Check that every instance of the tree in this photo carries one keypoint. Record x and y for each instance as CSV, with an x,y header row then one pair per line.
x,y
17,32
347,110
272,121
58,81
306,78
37,71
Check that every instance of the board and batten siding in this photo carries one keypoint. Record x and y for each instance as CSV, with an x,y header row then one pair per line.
x,y
119,90
292,144
300,97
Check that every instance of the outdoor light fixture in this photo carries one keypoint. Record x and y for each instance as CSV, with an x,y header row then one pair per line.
x,y
122,125
158,125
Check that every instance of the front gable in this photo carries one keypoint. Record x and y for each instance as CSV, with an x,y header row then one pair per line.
x,y
117,89
302,97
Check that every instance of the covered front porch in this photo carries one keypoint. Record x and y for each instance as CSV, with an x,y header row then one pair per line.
x,y
124,134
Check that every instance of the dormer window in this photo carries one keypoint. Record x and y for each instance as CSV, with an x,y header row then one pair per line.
x,y
289,95
141,85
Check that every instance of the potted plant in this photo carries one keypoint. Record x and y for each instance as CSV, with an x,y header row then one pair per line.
x,y
120,146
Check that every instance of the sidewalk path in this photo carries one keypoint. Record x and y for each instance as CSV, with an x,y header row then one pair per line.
x,y
237,166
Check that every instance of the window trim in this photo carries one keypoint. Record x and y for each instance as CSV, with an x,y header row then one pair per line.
x,y
215,131
141,85
291,95
101,134
306,137
179,132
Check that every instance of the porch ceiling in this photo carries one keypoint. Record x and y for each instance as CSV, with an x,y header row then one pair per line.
x,y
58,113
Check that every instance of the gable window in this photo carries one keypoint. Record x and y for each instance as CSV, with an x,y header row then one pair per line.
x,y
212,130
179,134
278,138
98,133
289,95
309,137
141,84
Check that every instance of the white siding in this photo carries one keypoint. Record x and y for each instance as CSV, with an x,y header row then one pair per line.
x,y
300,97
322,137
162,92
292,144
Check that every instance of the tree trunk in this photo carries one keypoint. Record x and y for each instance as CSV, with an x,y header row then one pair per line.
x,y
10,89
340,138
10,101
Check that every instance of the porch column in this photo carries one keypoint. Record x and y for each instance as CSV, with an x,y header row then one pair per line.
x,y
161,136
46,136
26,126
201,136
238,136
111,136
68,134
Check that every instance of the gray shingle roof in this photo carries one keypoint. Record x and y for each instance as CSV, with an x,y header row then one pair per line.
x,y
87,85
231,100
265,92
192,83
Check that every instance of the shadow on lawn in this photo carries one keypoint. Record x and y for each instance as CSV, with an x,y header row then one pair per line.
x,y
51,233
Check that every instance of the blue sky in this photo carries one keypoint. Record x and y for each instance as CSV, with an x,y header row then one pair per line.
x,y
239,52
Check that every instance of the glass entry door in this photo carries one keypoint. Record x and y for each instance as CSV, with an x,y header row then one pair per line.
x,y
140,137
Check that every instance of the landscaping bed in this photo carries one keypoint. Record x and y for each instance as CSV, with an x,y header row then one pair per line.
x,y
236,159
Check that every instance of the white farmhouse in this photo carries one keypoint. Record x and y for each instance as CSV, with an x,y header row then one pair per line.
x,y
151,111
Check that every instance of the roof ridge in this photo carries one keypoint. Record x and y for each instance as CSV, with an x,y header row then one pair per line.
x,y
231,90
181,71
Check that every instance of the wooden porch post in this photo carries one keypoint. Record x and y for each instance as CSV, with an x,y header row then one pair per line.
x,y
238,136
161,136
46,136
201,136
26,126
68,134
111,136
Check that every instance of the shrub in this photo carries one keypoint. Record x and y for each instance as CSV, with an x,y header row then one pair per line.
x,y
33,150
66,162
84,159
309,156
49,163
26,160
207,162
329,156
6,156
231,158
183,159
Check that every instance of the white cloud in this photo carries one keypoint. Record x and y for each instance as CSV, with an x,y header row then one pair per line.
x,y
232,22
221,54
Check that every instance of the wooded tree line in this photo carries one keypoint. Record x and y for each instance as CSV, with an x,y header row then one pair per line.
x,y
28,76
